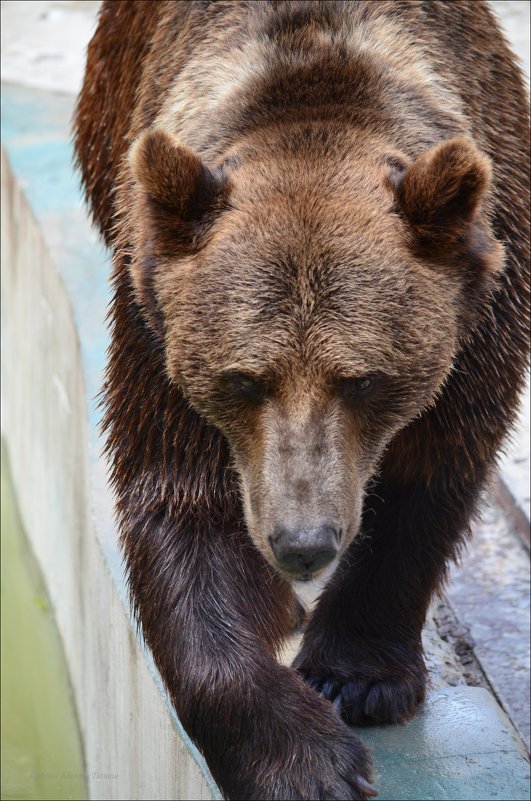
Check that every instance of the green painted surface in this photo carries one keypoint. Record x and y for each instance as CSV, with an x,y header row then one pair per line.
x,y
460,747
41,747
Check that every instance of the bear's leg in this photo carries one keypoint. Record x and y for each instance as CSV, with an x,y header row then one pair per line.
x,y
213,613
362,648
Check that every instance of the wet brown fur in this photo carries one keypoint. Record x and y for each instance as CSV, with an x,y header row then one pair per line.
x,y
357,203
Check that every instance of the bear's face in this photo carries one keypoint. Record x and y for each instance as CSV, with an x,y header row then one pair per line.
x,y
309,327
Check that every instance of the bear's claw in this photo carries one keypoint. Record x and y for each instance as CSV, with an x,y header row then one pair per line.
x,y
366,701
353,787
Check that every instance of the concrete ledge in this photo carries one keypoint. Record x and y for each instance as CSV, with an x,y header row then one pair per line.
x,y
53,347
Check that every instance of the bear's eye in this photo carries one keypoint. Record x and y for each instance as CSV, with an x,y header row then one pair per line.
x,y
354,388
245,387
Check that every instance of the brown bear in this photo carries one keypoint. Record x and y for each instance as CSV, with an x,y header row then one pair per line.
x,y
319,334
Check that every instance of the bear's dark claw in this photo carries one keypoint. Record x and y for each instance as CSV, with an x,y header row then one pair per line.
x,y
329,689
366,701
367,788
314,683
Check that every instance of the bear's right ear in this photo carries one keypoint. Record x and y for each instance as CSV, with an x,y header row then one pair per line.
x,y
179,199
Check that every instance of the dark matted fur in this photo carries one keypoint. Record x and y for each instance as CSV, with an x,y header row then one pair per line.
x,y
392,131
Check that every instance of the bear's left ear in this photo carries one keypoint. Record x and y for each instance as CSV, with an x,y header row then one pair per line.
x,y
441,195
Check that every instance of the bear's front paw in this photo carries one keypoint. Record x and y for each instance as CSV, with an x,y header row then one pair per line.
x,y
342,771
304,752
363,701
368,683
310,767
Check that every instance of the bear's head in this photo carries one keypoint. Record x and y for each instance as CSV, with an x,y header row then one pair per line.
x,y
312,298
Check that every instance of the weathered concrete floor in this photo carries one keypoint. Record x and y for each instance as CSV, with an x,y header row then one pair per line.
x,y
489,592
460,746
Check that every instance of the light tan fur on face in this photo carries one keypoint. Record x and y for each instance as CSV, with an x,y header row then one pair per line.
x,y
302,468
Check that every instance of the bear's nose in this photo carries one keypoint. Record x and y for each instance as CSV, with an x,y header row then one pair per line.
x,y
305,551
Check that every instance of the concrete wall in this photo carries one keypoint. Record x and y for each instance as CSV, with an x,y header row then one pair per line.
x,y
133,746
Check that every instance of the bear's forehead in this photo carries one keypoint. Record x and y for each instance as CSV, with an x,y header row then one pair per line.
x,y
302,281
311,232
334,329
310,281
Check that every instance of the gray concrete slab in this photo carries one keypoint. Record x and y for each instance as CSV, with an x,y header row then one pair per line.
x,y
460,746
489,592
44,43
